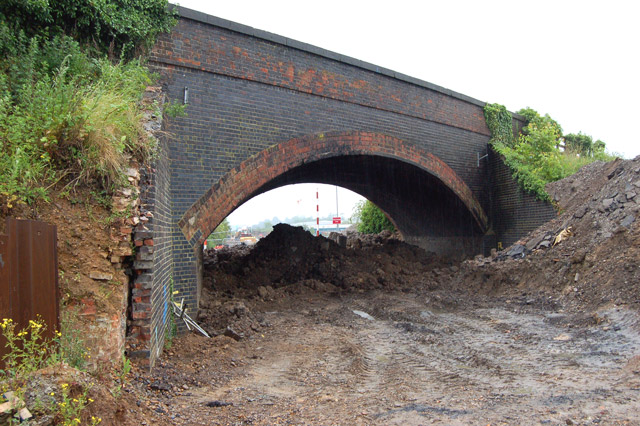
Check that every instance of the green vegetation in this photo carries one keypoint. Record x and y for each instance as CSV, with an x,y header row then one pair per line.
x,y
500,124
219,234
119,28
540,154
370,219
28,352
70,343
122,374
68,112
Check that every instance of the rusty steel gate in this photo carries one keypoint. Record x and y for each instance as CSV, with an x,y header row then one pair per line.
x,y
29,275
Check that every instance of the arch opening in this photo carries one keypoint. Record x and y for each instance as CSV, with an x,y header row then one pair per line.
x,y
430,204
425,212
313,206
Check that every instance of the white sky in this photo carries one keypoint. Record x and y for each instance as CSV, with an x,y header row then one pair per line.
x,y
578,61
295,200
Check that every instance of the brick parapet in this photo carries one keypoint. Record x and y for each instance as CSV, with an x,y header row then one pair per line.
x,y
215,21
219,47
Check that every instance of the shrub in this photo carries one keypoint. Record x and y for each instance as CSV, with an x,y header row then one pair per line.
x,y
535,157
370,219
120,28
82,124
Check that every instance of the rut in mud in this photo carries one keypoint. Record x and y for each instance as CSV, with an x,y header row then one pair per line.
x,y
409,358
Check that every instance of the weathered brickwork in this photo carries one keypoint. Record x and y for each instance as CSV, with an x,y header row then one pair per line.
x,y
216,46
264,111
154,261
239,184
514,212
150,312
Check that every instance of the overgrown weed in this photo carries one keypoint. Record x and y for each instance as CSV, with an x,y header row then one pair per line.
x,y
57,123
540,153
29,351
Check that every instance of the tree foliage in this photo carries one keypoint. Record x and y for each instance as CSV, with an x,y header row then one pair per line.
x,y
221,232
121,28
533,118
264,227
370,219
584,146
540,154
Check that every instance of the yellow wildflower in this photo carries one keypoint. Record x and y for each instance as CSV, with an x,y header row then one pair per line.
x,y
35,324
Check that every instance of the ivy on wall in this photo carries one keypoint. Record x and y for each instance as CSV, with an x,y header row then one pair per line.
x,y
500,124
540,154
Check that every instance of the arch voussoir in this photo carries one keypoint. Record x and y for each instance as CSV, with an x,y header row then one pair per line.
x,y
241,182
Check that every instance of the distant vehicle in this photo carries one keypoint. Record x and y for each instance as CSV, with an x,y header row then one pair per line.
x,y
244,236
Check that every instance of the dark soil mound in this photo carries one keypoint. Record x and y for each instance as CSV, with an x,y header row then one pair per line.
x,y
292,260
596,260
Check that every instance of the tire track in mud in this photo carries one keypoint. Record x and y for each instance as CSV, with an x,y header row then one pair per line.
x,y
494,352
415,364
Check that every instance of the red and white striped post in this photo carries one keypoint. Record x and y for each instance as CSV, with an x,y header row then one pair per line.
x,y
317,214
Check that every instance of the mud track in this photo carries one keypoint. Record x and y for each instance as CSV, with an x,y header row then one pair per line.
x,y
383,358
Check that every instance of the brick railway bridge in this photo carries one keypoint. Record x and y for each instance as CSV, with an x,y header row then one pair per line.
x,y
265,111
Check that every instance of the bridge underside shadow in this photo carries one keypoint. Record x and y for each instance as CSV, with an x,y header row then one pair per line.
x,y
429,203
425,211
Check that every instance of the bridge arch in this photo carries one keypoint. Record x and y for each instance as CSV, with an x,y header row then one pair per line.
x,y
301,159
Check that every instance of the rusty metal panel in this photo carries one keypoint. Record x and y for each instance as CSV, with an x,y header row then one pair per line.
x,y
29,277
5,295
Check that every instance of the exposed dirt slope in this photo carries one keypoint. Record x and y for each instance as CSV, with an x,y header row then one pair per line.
x,y
596,265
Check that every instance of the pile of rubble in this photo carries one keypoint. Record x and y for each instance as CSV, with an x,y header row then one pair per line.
x,y
589,254
13,409
291,260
